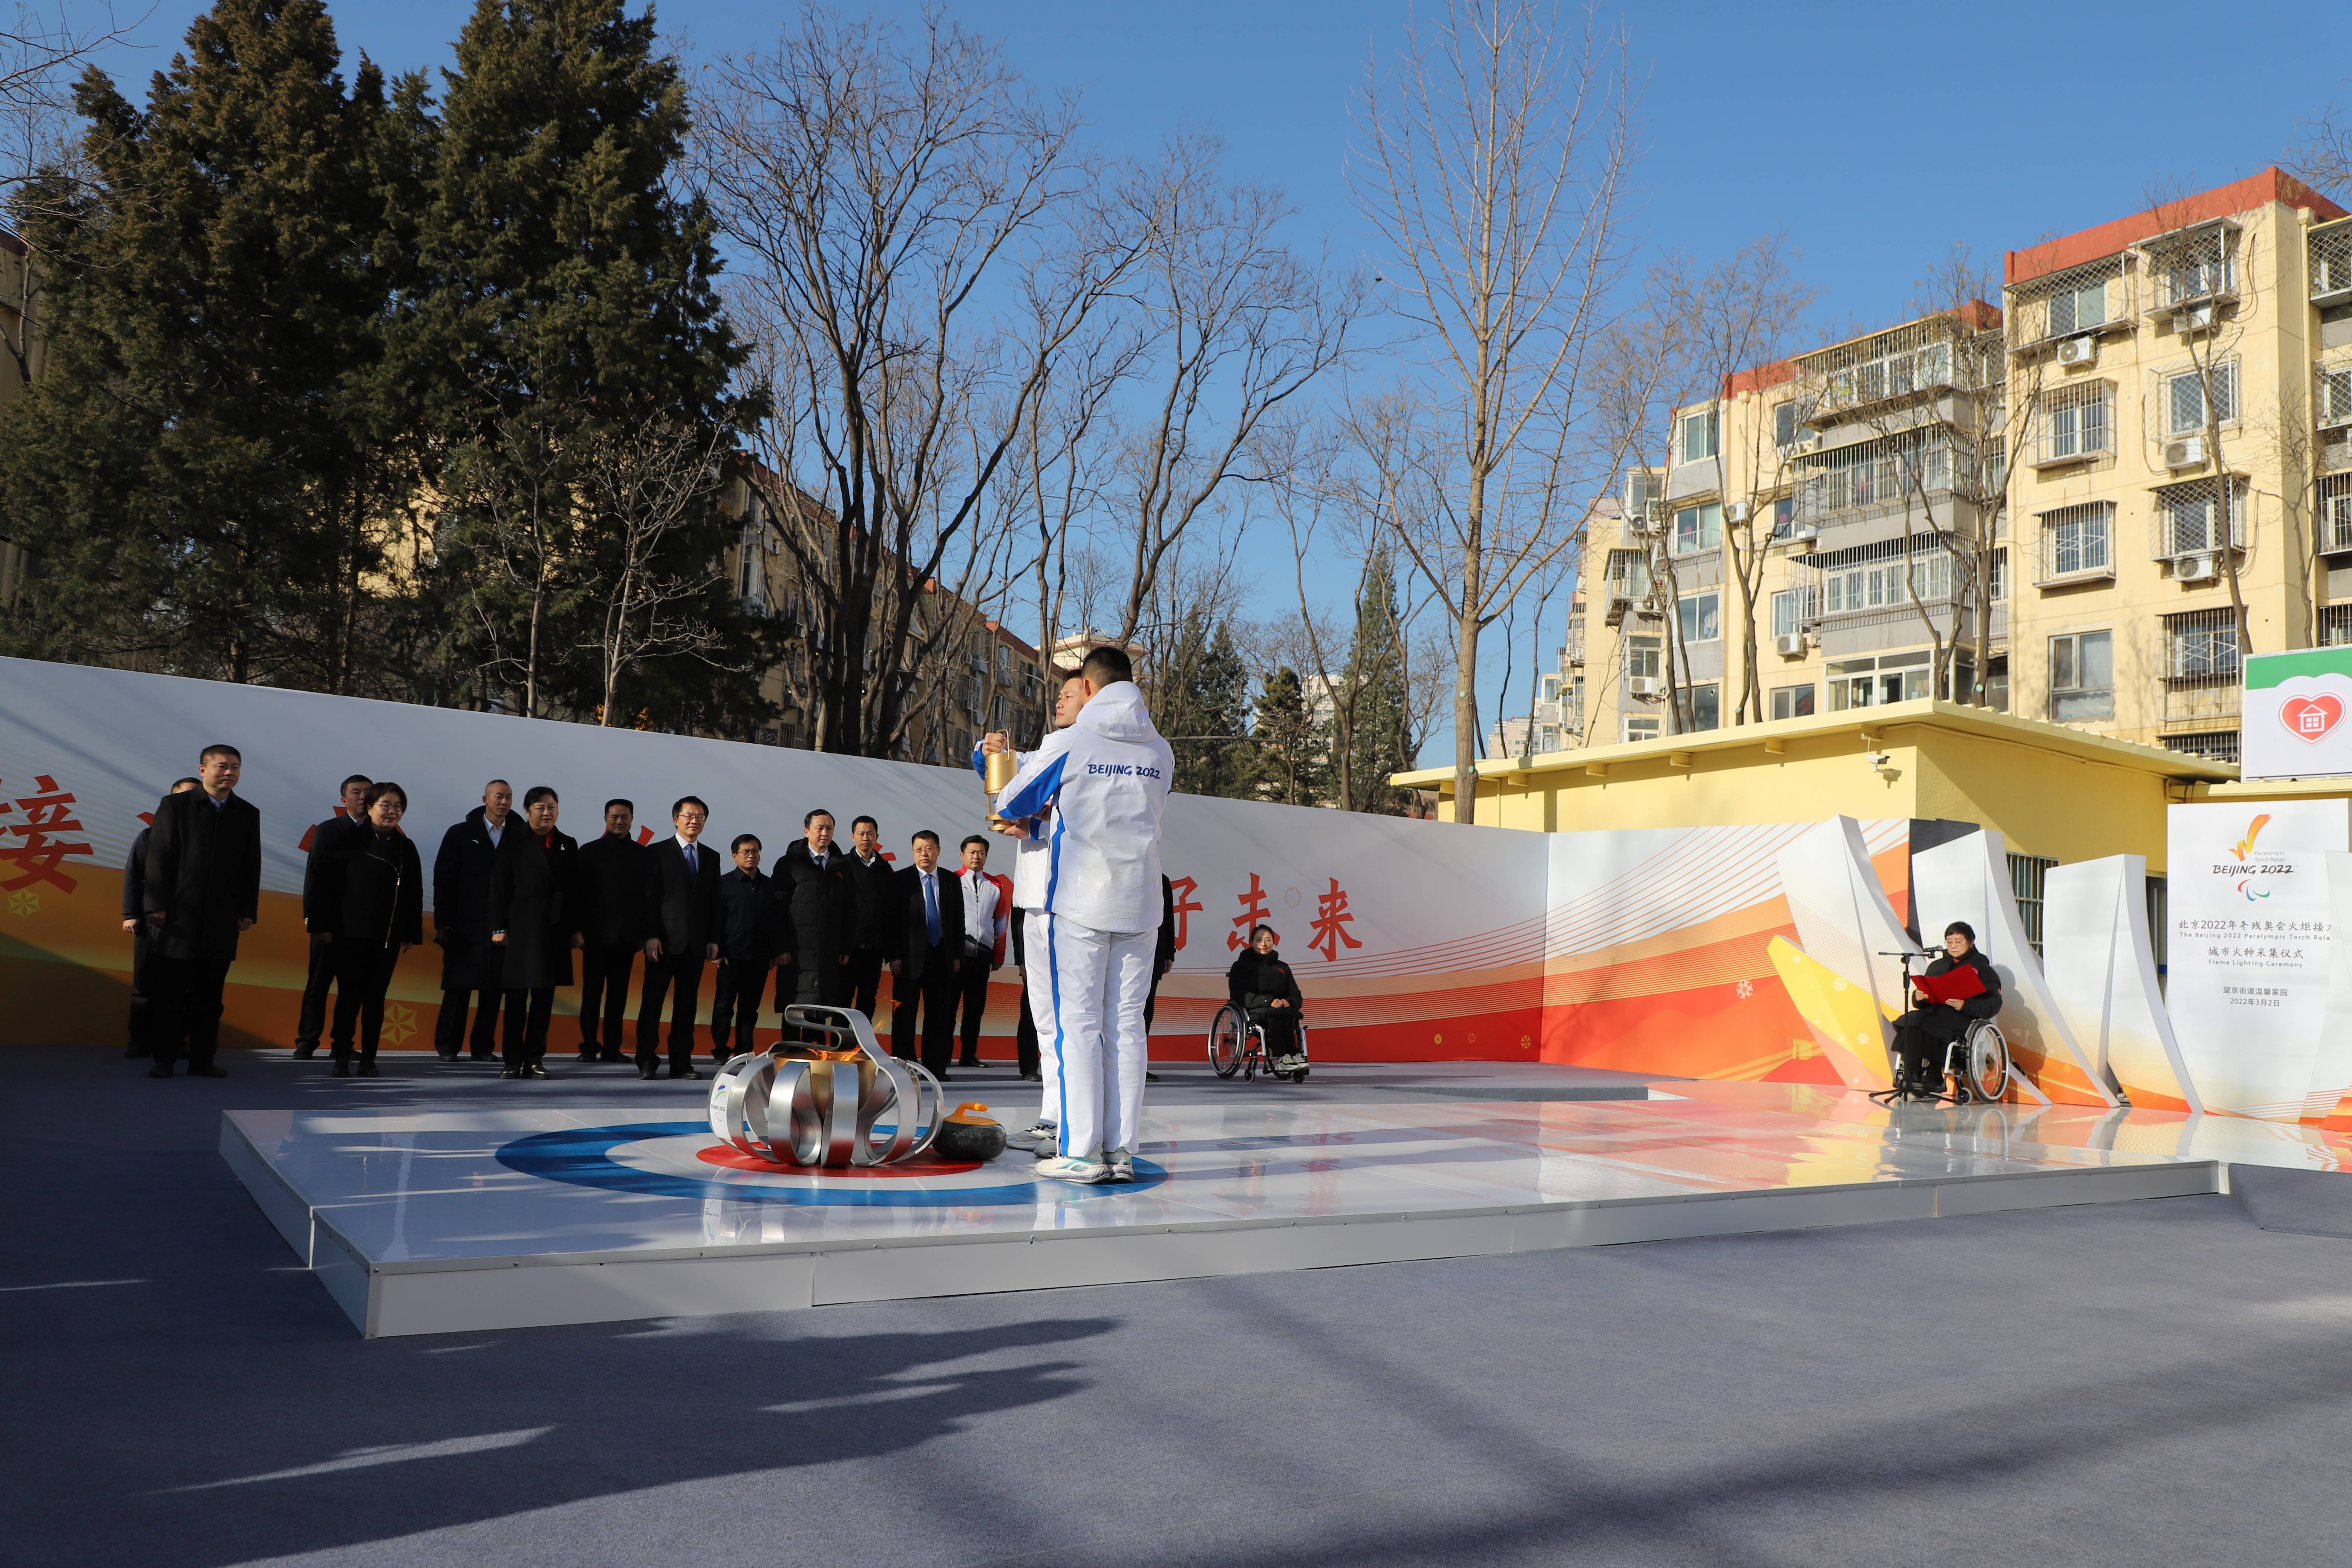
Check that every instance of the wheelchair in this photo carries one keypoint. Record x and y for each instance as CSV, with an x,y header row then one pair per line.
x,y
1976,1069
1238,1045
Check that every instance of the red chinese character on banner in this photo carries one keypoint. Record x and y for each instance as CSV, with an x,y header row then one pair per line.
x,y
1332,918
39,856
1253,912
1182,889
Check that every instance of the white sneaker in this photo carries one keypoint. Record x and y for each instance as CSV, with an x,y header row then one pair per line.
x,y
1121,1162
1062,1168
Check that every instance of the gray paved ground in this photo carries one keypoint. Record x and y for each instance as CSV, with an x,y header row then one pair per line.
x,y
2148,1384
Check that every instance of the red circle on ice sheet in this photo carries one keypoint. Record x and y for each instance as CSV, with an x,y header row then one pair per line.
x,y
736,1160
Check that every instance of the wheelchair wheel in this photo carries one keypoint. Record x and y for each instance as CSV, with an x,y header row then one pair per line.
x,y
1228,1042
1984,1063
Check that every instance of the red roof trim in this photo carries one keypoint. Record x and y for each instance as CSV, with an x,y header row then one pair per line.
x,y
2272,185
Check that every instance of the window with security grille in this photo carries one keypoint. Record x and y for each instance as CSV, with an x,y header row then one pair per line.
x,y
2332,396
2200,643
2335,626
1996,587
2028,877
2189,517
2184,398
2331,259
2213,746
1629,574
2078,541
2335,512
1791,608
2078,308
2078,422
2197,266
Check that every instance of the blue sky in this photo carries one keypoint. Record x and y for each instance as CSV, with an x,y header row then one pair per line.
x,y
1873,135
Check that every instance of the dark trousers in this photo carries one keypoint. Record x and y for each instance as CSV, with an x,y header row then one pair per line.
x,y
679,976
735,1007
184,1008
934,994
449,1029
141,956
324,970
1920,1038
823,979
362,973
971,1003
1281,1026
603,991
536,1009
864,980
1024,1033
1152,997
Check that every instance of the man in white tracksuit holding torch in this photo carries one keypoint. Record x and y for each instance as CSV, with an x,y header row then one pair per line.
x,y
1086,805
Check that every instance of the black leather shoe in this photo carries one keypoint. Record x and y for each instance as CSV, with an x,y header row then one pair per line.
x,y
486,1055
972,1063
207,1070
304,1053
510,1072
367,1070
942,1075
644,1071
615,1057
1151,1076
684,1072
533,1070
342,1068
1033,1077
587,1058
161,1069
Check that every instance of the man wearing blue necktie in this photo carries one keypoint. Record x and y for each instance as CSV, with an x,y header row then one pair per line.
x,y
923,964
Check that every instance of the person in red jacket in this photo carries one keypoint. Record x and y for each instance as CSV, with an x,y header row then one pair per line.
x,y
987,923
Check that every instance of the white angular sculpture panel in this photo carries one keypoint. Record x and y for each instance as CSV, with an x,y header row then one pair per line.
x,y
2097,949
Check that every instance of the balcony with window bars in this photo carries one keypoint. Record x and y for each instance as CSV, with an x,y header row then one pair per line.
x,y
2331,391
2078,545
2330,248
2095,297
2185,520
1920,357
2211,746
2192,267
2076,425
2334,627
2201,685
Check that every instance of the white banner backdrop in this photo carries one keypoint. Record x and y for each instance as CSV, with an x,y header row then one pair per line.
x,y
2250,953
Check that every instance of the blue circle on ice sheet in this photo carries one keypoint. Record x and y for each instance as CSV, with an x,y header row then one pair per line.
x,y
583,1157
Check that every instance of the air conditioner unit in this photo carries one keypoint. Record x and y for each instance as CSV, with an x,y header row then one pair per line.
x,y
1736,512
1790,645
2192,318
2194,569
1805,534
2079,352
1644,686
2189,452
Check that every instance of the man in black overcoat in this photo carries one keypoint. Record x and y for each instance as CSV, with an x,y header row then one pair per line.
x,y
873,901
134,922
929,948
325,837
813,879
755,935
202,891
682,893
613,925
472,969
535,918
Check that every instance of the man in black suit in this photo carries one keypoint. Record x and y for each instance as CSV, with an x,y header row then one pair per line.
x,y
1164,959
134,924
923,968
535,917
202,891
1024,1032
813,879
326,836
873,913
472,967
755,938
682,899
614,870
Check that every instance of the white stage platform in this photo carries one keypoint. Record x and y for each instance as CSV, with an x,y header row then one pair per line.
x,y
452,1221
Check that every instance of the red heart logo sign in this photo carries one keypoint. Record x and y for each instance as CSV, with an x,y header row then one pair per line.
x,y
2311,718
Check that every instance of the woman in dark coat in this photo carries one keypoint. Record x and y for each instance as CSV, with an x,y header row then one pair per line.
x,y
535,918
372,899
1262,986
1922,1035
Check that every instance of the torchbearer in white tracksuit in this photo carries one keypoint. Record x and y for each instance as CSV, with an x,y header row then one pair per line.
x,y
1086,805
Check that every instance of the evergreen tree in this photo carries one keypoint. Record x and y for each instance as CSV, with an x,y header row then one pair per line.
x,y
202,468
1292,747
569,292
1200,698
1380,731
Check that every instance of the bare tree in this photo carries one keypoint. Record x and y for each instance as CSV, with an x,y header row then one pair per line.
x,y
888,195
512,509
1492,162
644,487
2322,155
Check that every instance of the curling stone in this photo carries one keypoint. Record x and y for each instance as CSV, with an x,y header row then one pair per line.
x,y
966,1134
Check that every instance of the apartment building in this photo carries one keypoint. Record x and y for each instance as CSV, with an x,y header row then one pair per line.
x,y
978,677
2063,502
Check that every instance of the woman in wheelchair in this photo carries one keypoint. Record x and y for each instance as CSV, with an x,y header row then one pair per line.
x,y
1261,986
1922,1035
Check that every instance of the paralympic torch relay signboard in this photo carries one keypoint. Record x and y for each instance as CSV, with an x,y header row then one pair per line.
x,y
2251,926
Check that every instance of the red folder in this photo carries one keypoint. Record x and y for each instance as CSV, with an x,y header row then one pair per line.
x,y
1957,984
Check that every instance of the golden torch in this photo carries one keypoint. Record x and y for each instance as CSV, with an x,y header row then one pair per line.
x,y
1000,768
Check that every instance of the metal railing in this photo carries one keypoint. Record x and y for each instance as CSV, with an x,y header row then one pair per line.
x,y
2068,304
2331,261
2078,544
